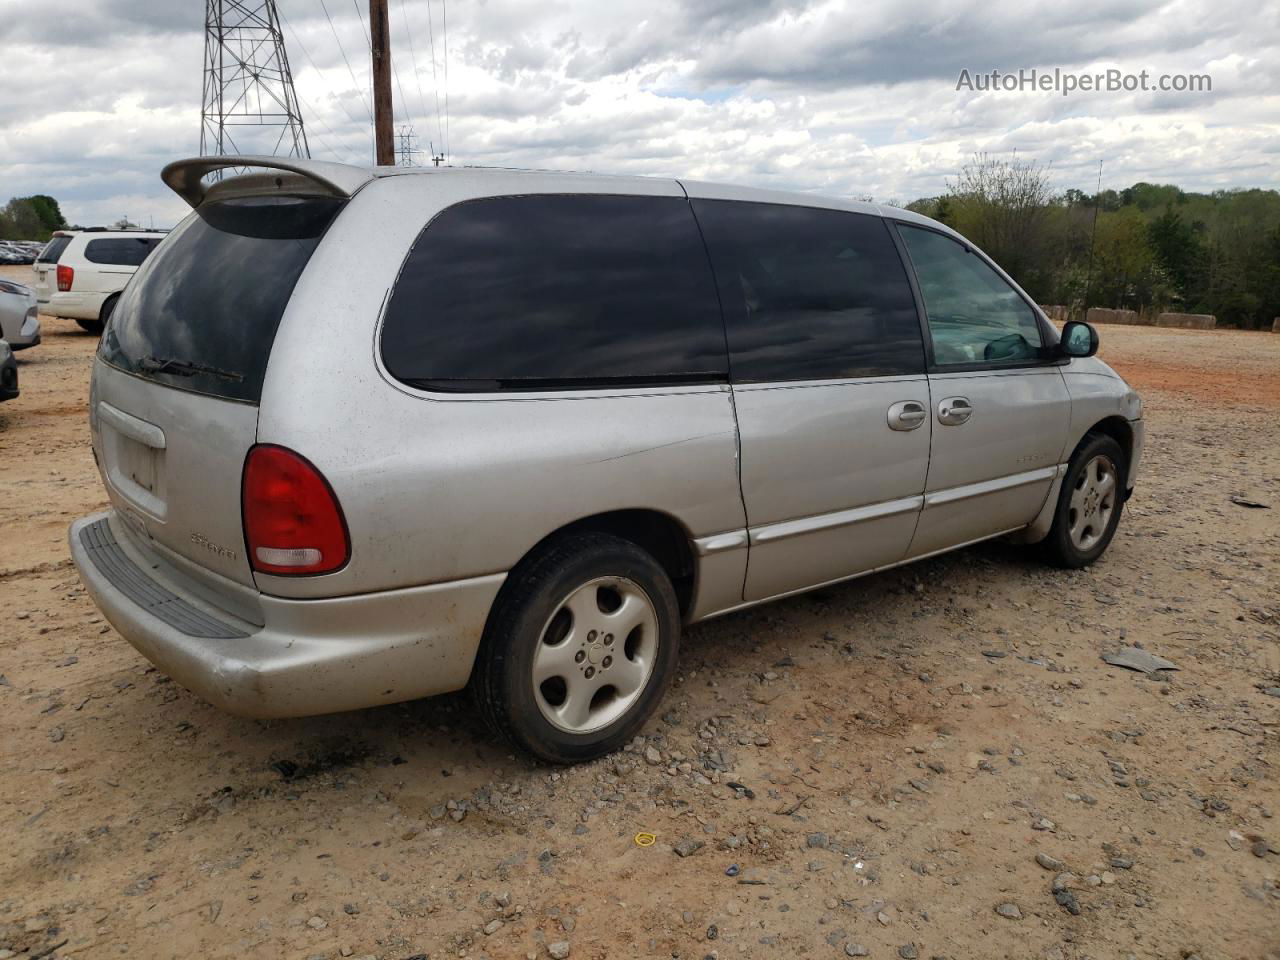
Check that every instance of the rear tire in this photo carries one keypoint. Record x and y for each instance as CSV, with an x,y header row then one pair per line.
x,y
92,326
579,650
1089,504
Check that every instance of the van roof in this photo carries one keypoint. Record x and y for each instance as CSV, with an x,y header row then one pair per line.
x,y
185,177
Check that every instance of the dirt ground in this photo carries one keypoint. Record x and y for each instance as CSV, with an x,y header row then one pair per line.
x,y
870,767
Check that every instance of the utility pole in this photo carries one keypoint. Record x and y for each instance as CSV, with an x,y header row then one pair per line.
x,y
380,39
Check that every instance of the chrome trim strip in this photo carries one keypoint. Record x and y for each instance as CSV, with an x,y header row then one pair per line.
x,y
852,576
719,542
828,521
145,433
952,494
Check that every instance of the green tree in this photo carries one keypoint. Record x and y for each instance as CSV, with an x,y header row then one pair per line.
x,y
48,211
19,221
1178,249
1003,205
1125,271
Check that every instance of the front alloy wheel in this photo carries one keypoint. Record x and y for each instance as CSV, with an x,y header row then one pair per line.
x,y
1092,501
1089,504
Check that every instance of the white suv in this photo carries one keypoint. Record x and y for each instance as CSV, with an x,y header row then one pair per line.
x,y
79,274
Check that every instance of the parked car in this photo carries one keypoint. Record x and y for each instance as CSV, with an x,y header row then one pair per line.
x,y
19,316
8,373
80,274
17,252
369,437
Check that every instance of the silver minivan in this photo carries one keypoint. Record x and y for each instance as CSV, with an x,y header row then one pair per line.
x,y
375,434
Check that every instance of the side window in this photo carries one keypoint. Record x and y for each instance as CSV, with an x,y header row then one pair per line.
x,y
538,292
120,251
809,293
974,315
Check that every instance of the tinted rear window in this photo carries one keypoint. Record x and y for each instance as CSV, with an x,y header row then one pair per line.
x,y
53,250
810,294
121,251
201,314
539,292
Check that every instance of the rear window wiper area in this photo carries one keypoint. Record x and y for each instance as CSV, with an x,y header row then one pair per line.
x,y
185,368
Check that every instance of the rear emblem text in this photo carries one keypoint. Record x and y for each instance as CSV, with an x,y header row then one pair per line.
x,y
212,547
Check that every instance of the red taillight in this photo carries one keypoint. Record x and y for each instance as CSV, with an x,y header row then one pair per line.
x,y
292,521
65,276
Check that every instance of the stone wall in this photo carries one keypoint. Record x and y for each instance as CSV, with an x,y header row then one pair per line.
x,y
1188,321
1127,317
1057,312
1275,325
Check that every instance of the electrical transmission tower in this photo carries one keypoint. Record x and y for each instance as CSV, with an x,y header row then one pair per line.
x,y
247,83
407,148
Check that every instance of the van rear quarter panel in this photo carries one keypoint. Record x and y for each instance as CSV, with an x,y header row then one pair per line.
x,y
439,487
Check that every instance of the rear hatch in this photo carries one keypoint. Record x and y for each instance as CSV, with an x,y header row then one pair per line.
x,y
46,266
174,403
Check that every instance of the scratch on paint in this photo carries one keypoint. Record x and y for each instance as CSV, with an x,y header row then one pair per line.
x,y
660,446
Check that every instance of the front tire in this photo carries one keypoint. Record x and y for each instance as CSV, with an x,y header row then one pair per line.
x,y
579,650
1089,504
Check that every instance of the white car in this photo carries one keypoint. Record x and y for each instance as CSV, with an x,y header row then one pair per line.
x,y
80,273
19,317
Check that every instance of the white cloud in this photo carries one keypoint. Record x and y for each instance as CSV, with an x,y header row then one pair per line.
x,y
853,99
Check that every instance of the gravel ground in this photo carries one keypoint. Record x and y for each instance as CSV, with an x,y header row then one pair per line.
x,y
932,762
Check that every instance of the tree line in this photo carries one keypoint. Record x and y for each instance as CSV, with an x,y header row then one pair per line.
x,y
1146,247
30,218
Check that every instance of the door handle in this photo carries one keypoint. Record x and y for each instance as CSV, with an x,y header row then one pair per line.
x,y
954,411
906,415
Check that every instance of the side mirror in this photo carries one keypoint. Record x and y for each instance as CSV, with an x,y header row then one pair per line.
x,y
1079,339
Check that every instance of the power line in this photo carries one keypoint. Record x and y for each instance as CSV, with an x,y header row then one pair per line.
x,y
343,51
307,53
445,5
413,58
344,157
368,41
435,79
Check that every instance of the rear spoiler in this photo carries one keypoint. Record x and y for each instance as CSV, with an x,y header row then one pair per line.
x,y
313,177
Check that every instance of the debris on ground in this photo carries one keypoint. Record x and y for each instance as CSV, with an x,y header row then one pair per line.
x,y
1135,658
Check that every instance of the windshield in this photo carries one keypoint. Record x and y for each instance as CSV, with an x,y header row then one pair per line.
x,y
202,311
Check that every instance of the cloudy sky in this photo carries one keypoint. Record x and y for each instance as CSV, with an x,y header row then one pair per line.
x,y
853,99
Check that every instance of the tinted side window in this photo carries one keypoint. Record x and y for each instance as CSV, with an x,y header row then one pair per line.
x,y
543,291
974,315
121,251
810,294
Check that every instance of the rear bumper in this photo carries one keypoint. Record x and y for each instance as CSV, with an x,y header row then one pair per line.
x,y
309,657
74,306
